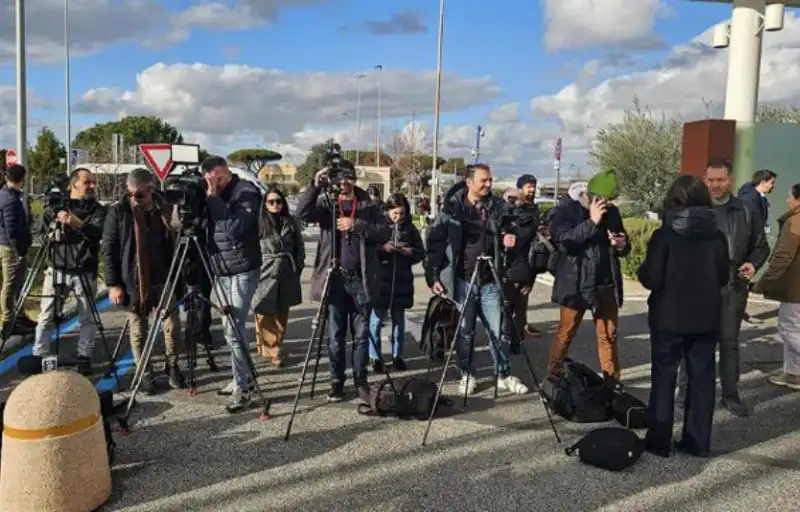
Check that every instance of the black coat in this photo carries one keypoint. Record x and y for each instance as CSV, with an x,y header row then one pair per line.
x,y
79,252
283,255
397,275
518,268
578,244
685,268
15,227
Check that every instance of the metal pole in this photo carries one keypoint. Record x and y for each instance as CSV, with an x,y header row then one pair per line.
x,y
741,99
358,120
478,134
22,93
378,135
436,112
67,95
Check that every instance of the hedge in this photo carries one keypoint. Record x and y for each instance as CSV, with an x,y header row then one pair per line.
x,y
639,232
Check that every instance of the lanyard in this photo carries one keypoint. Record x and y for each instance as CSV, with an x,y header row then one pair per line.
x,y
353,206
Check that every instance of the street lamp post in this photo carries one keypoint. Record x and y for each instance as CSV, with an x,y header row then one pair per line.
x,y
22,92
359,77
436,112
378,135
479,133
67,94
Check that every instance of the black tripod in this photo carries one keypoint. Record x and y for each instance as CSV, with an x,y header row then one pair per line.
x,y
320,320
51,251
487,262
188,240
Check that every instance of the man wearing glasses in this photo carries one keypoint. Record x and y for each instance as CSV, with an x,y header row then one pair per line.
x,y
138,243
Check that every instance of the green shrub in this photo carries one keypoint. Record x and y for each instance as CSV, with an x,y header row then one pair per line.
x,y
544,208
639,233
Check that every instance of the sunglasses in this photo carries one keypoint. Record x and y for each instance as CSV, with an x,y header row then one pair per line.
x,y
274,201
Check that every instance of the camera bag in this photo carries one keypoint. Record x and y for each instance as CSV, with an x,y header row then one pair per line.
x,y
438,327
404,397
541,250
579,394
611,448
627,410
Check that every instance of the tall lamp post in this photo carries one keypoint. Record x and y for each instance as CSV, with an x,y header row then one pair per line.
x,y
359,77
479,134
22,93
67,95
378,136
436,112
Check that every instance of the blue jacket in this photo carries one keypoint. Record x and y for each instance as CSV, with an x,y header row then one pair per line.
x,y
749,193
232,228
15,227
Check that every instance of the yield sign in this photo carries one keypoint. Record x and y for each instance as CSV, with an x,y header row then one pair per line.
x,y
159,156
11,157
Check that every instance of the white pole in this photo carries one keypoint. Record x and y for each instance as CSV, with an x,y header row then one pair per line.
x,y
358,120
741,99
436,111
22,92
67,95
378,136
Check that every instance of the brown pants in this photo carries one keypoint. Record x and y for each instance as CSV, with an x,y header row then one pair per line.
x,y
517,294
606,320
139,324
270,330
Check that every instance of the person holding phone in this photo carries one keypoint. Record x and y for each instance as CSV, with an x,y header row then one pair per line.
x,y
397,256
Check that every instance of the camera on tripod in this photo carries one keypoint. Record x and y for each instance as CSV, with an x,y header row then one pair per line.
x,y
188,193
333,178
56,196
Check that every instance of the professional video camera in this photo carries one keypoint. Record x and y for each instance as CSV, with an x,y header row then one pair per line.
x,y
333,178
56,196
188,192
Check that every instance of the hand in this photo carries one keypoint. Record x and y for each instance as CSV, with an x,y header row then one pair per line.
x,y
747,271
116,295
212,186
597,209
405,251
344,224
63,217
509,241
388,247
618,240
437,289
320,173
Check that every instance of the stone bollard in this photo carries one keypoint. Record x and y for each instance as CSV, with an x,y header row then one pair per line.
x,y
54,456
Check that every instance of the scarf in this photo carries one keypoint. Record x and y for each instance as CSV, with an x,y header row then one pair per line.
x,y
142,226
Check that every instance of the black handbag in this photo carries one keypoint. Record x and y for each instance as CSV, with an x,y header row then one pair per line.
x,y
628,411
611,448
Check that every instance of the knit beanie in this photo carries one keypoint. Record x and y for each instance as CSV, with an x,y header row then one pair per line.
x,y
603,184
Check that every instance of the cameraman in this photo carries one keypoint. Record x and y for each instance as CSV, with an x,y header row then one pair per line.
x,y
75,227
233,207
359,230
466,229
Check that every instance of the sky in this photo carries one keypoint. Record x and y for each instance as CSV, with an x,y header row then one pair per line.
x,y
282,74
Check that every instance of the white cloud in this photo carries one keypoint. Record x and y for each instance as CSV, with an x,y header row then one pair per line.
x,y
507,113
580,23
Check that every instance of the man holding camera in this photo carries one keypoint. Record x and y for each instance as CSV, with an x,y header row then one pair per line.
x,y
467,230
233,207
138,243
356,233
74,224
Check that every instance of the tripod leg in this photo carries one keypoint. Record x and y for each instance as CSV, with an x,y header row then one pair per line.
x,y
319,355
27,285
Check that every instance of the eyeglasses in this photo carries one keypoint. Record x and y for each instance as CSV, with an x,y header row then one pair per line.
x,y
274,202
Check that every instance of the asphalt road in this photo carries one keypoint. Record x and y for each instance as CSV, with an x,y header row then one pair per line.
x,y
187,454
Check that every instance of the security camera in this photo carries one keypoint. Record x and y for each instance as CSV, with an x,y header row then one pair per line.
x,y
721,36
773,17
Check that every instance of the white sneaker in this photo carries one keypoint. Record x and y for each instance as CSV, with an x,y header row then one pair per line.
x,y
512,384
467,385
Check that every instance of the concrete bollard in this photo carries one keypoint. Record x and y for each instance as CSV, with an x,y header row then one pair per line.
x,y
54,456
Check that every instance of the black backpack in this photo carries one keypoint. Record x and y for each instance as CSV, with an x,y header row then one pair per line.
x,y
402,397
611,448
438,327
579,394
542,250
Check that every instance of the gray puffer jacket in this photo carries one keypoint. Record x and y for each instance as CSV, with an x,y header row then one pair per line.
x,y
283,259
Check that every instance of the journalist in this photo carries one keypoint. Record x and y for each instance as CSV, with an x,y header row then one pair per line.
x,y
75,228
466,229
233,208
359,230
138,244
15,241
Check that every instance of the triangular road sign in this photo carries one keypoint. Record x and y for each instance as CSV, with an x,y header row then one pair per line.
x,y
159,156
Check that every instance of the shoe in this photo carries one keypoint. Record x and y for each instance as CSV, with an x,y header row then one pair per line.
x,y
148,386
336,393
514,348
736,406
84,365
399,364
239,401
377,366
530,330
231,388
787,380
512,384
176,380
684,447
467,385
656,449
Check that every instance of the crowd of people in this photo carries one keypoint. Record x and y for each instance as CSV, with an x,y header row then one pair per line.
x,y
481,252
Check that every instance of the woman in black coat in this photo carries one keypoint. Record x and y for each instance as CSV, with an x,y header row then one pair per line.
x,y
397,257
685,269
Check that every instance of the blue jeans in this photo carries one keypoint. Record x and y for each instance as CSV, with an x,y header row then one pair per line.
x,y
398,331
347,307
237,291
486,303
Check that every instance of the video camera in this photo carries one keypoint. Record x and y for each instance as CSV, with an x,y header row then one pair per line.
x,y
56,196
188,192
333,163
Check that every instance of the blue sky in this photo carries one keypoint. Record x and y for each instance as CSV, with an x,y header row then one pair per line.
x,y
502,41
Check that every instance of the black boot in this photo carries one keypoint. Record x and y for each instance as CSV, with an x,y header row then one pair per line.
x,y
176,380
736,405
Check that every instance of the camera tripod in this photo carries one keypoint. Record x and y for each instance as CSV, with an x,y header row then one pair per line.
x,y
320,320
49,252
188,240
486,262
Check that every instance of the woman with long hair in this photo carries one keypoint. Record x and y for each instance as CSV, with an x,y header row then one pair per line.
x,y
781,282
685,268
403,250
283,257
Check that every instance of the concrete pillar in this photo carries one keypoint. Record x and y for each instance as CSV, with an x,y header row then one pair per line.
x,y
741,98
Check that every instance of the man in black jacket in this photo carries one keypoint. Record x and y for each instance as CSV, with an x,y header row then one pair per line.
x,y
75,230
233,207
520,276
743,227
15,241
469,228
138,245
358,232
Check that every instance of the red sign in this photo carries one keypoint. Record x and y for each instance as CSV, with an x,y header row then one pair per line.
x,y
159,157
558,149
11,157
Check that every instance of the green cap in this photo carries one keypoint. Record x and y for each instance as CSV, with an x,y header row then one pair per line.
x,y
603,184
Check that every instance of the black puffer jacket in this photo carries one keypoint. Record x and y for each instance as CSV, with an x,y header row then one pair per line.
x,y
232,228
15,228
80,250
397,276
578,242
518,268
